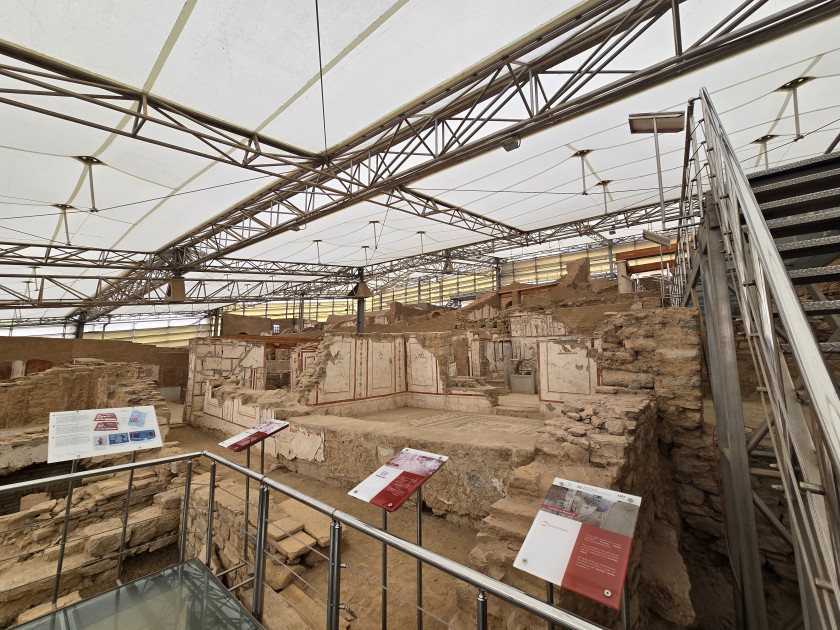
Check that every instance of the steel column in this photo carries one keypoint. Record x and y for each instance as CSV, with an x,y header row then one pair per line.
x,y
734,463
186,508
481,610
259,554
208,548
63,541
334,579
125,518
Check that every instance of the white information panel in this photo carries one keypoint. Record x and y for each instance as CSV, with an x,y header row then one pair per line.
x,y
95,432
401,475
581,540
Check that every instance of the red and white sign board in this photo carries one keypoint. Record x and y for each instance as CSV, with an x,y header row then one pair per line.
x,y
581,540
401,475
249,437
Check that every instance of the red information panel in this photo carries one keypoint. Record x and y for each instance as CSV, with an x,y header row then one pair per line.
x,y
250,437
394,482
581,540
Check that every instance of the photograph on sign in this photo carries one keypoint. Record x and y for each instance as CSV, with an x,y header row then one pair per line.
x,y
401,475
581,539
95,432
249,437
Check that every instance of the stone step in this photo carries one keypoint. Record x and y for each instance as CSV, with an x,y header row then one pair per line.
x,y
312,613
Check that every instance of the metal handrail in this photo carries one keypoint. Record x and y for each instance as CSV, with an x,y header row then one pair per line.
x,y
485,585
800,336
470,576
96,472
808,454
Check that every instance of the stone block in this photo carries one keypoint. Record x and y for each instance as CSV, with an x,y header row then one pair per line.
x,y
279,576
43,609
630,380
283,527
104,536
295,546
315,524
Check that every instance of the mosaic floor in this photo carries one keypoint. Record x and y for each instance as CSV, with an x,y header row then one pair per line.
x,y
525,426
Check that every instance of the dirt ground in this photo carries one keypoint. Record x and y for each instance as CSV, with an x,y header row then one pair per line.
x,y
359,582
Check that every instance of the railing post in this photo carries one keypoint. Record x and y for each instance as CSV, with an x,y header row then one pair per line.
x,y
125,518
185,511
210,507
481,607
259,554
334,583
63,537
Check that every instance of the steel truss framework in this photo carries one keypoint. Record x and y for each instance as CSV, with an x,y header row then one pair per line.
x,y
323,281
458,122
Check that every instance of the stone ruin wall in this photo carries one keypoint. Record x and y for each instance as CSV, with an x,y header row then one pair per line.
x,y
26,403
297,540
238,361
168,365
29,539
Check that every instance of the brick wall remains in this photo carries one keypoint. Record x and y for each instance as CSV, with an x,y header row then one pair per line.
x,y
90,384
172,361
29,538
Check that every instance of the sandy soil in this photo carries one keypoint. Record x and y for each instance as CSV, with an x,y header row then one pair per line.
x,y
363,555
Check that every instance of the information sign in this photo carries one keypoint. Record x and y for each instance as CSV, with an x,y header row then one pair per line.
x,y
249,437
394,482
581,540
94,432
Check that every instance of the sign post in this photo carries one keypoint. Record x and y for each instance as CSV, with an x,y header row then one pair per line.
x,y
389,487
581,539
244,441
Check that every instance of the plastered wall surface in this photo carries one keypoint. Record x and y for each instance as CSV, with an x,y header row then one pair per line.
x,y
352,374
241,362
565,367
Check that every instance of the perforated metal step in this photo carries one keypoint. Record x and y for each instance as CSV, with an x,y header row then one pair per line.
x,y
825,307
825,346
798,204
809,180
810,247
815,274
804,224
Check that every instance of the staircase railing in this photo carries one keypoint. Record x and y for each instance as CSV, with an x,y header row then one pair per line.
x,y
806,439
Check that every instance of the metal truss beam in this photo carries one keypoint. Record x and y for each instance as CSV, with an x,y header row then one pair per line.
x,y
433,135
155,292
413,202
149,283
53,82
507,97
79,257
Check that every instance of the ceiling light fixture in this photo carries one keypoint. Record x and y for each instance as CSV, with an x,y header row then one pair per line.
x,y
656,123
512,142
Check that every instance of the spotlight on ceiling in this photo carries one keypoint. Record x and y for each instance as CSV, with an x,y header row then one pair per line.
x,y
795,83
87,159
510,143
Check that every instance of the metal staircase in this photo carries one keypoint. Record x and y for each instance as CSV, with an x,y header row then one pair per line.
x,y
760,246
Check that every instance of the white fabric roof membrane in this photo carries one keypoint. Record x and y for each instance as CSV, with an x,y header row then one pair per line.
x,y
256,65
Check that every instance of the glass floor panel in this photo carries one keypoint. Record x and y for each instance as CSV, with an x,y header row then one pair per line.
x,y
184,597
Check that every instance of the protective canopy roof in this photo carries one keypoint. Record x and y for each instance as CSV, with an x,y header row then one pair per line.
x,y
258,66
